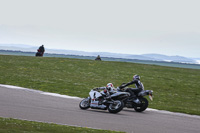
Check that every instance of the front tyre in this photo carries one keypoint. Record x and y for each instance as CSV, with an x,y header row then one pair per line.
x,y
116,107
142,106
85,103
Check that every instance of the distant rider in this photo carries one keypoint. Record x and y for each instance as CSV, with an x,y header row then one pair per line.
x,y
133,91
41,49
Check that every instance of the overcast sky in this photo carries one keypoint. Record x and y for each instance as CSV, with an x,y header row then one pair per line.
x,y
170,27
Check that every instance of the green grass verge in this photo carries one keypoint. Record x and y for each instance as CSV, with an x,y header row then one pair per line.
x,y
9,125
159,63
175,89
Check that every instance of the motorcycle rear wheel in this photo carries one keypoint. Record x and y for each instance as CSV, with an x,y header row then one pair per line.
x,y
85,103
38,54
142,106
115,108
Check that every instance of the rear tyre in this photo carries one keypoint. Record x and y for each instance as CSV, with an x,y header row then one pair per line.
x,y
85,103
116,107
142,106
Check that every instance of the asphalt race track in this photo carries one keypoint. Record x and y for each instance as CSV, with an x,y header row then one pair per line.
x,y
38,106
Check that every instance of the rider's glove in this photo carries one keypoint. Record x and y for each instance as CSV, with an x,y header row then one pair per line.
x,y
95,89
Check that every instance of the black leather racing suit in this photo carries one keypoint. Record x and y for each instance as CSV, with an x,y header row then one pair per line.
x,y
139,87
41,48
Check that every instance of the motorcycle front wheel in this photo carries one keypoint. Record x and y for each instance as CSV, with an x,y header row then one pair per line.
x,y
85,103
116,107
142,106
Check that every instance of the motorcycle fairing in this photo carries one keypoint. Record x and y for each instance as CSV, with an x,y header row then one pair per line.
x,y
94,94
120,93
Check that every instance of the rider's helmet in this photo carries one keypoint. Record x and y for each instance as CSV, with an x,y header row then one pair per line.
x,y
136,77
109,87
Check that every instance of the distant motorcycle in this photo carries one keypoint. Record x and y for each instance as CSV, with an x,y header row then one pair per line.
x,y
97,100
143,102
39,53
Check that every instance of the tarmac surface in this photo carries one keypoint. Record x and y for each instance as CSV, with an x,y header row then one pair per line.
x,y
39,106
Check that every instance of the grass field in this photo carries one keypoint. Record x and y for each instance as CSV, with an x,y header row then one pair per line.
x,y
8,125
175,89
150,62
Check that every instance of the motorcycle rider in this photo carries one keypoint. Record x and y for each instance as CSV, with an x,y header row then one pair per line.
x,y
133,91
41,49
109,89
105,91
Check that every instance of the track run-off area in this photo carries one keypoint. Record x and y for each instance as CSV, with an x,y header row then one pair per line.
x,y
33,105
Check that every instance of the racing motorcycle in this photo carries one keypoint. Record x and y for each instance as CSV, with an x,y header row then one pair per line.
x,y
99,100
142,103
